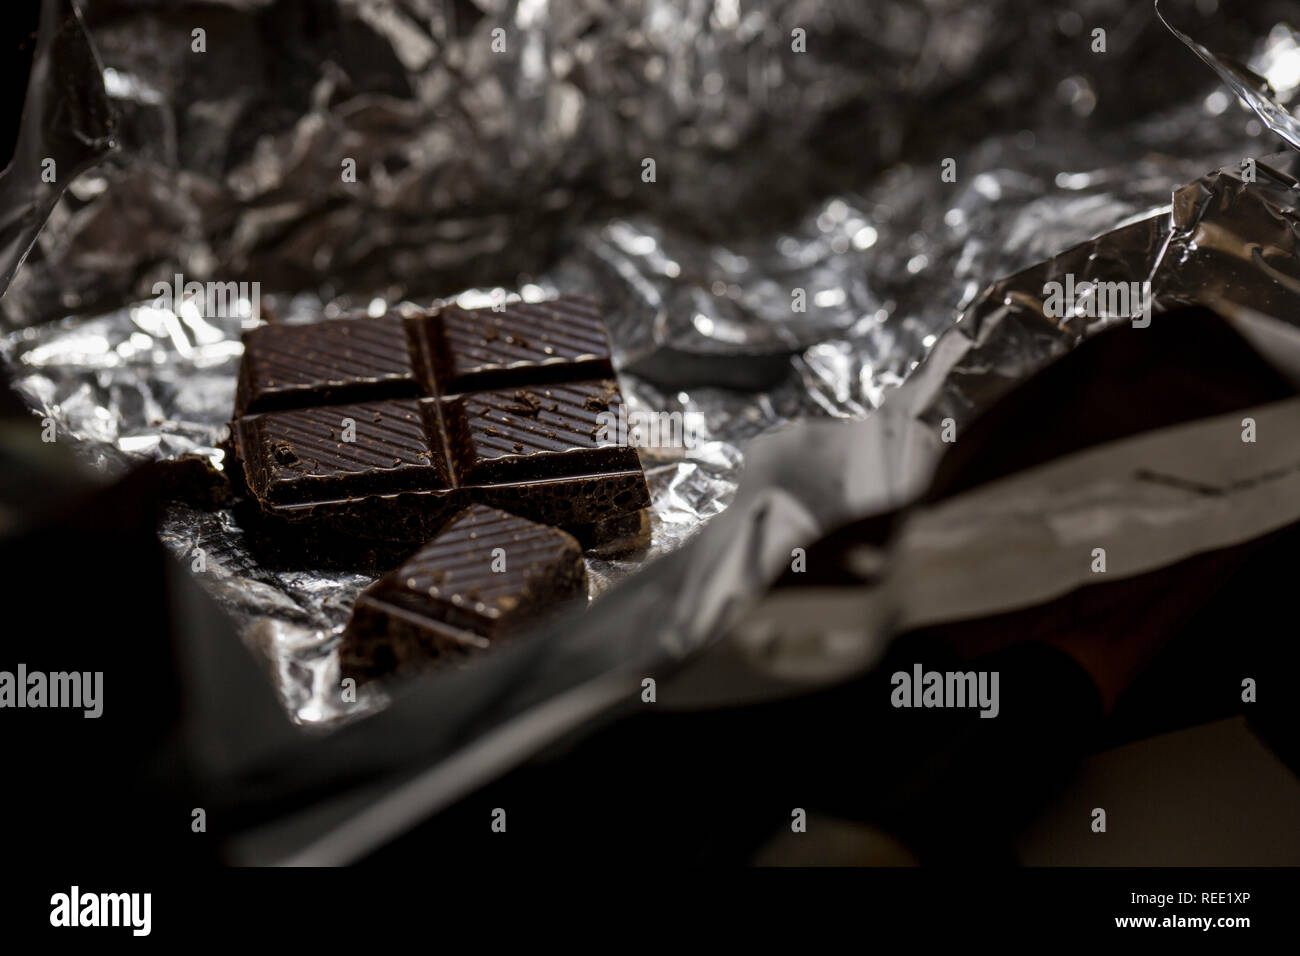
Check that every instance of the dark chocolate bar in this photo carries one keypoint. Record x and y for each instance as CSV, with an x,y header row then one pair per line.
x,y
483,578
379,428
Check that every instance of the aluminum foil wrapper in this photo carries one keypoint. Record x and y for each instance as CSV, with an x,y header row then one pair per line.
x,y
782,176
66,122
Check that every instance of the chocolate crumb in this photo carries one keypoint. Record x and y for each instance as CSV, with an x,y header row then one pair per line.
x,y
284,453
530,403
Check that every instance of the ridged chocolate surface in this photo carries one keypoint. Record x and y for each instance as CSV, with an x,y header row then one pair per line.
x,y
339,360
523,344
542,432
460,573
343,450
487,574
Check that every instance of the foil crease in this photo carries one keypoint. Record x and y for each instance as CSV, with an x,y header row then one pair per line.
x,y
522,170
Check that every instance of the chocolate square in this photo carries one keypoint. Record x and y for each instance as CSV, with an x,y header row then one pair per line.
x,y
523,343
485,576
343,451
341,360
531,433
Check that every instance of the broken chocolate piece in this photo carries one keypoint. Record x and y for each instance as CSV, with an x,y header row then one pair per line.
x,y
615,537
484,577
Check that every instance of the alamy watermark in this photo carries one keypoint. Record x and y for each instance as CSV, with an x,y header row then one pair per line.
x,y
221,300
1096,299
646,429
75,908
922,688
76,690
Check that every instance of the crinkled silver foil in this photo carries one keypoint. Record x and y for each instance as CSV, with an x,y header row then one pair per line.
x,y
777,172
65,123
